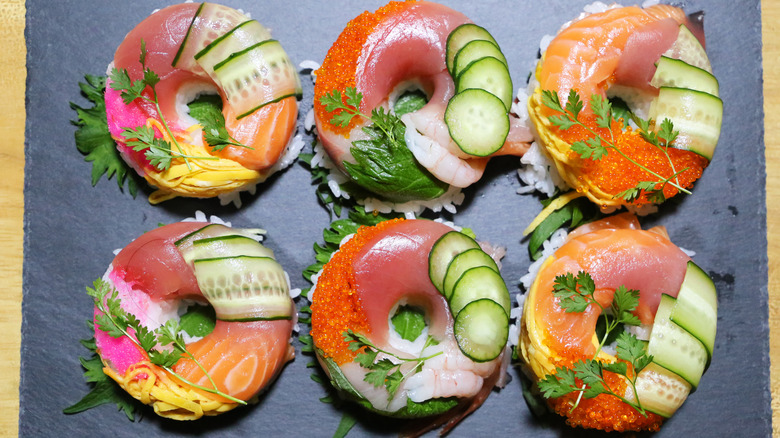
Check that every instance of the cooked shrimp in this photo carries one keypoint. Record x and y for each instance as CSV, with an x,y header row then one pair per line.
x,y
614,53
240,357
379,269
174,35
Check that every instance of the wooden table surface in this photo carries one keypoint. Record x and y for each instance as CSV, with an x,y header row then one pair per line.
x,y
12,82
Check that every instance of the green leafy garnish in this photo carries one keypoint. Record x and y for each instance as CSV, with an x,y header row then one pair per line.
x,y
409,322
410,102
598,146
574,213
116,322
384,165
198,321
94,140
207,110
159,152
105,390
586,377
384,372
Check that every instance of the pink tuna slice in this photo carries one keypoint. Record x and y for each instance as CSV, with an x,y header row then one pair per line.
x,y
393,266
162,33
149,268
407,45
643,50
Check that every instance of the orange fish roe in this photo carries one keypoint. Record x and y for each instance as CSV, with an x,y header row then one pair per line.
x,y
338,69
605,412
336,307
614,174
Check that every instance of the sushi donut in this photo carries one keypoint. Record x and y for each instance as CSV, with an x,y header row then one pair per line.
x,y
194,49
676,315
211,264
446,369
411,46
652,59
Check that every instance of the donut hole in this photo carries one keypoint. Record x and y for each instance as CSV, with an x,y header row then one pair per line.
x,y
197,320
197,100
407,97
408,328
641,332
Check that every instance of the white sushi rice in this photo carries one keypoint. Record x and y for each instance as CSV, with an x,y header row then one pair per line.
x,y
448,201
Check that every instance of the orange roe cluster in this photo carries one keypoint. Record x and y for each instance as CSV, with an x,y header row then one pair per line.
x,y
614,174
338,69
604,412
336,307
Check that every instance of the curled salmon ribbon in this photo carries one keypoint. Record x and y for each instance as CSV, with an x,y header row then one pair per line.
x,y
260,117
372,275
401,47
614,53
615,251
249,344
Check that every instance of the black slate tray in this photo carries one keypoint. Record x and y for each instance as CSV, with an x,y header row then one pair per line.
x,y
71,228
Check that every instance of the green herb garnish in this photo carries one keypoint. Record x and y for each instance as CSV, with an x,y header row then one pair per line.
x,y
409,322
94,140
598,146
384,372
105,390
383,164
142,138
117,322
586,377
207,110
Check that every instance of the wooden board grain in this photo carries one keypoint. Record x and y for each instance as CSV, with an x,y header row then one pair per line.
x,y
12,82
771,53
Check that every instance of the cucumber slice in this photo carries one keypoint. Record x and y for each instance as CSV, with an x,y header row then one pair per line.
x,y
696,310
257,76
463,262
473,51
478,283
462,35
442,253
210,21
245,288
489,74
696,115
239,38
481,330
477,121
688,48
661,391
675,73
226,246
184,245
674,348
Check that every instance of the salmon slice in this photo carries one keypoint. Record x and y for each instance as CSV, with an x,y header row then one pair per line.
x,y
585,55
614,256
241,357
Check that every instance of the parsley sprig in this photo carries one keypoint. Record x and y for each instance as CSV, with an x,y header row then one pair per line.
x,y
575,295
598,146
164,346
384,165
159,152
207,110
384,372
